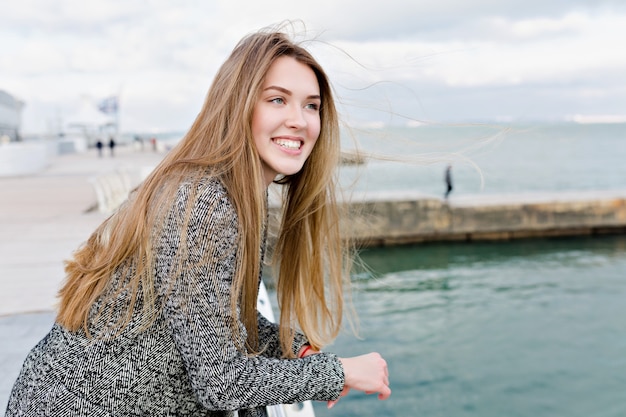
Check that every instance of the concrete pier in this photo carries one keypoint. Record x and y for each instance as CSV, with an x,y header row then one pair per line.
x,y
402,218
45,216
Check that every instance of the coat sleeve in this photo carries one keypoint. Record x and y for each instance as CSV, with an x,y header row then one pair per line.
x,y
269,338
197,310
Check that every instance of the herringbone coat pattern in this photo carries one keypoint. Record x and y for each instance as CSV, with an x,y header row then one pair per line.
x,y
186,363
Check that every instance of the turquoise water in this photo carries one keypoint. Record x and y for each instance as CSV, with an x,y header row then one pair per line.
x,y
521,328
524,328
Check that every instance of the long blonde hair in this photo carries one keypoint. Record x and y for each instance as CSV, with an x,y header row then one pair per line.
x,y
309,251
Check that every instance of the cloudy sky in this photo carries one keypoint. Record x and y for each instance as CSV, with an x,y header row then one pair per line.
x,y
391,61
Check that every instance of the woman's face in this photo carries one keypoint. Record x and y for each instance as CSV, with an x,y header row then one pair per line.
x,y
286,117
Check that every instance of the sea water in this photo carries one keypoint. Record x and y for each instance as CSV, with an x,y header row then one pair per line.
x,y
520,328
490,159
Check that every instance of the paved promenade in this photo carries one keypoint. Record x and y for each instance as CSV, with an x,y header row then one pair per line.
x,y
43,219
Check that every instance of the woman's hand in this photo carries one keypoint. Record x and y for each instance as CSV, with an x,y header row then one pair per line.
x,y
366,373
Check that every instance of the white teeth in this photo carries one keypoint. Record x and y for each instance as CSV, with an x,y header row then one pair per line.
x,y
289,144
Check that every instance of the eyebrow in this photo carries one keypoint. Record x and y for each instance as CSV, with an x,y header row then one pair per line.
x,y
289,93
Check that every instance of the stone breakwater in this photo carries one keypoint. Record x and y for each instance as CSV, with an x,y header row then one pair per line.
x,y
386,219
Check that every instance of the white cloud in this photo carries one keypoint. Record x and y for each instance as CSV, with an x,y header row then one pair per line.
x,y
573,22
163,55
591,47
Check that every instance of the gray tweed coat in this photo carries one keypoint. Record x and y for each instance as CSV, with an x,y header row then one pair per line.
x,y
185,363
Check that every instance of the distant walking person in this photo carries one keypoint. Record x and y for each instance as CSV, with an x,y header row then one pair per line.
x,y
448,179
99,145
112,145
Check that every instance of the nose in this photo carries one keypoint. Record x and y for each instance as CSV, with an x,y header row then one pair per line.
x,y
295,118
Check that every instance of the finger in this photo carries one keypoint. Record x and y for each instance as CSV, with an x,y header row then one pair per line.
x,y
384,394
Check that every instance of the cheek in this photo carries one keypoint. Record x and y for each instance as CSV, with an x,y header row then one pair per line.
x,y
316,136
315,128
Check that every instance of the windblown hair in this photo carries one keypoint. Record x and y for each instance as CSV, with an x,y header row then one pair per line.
x,y
309,252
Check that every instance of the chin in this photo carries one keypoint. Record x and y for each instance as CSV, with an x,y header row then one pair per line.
x,y
290,171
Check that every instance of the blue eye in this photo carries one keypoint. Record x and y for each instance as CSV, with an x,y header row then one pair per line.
x,y
313,106
277,100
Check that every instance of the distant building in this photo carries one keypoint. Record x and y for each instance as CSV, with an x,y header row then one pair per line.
x,y
10,116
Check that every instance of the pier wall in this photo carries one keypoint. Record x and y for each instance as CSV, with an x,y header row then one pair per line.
x,y
395,219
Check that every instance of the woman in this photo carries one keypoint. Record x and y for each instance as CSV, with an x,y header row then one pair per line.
x,y
158,311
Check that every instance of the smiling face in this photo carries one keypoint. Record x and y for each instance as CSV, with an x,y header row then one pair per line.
x,y
286,117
